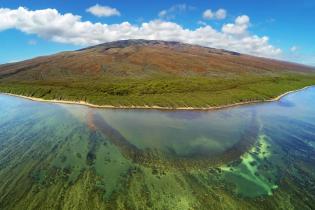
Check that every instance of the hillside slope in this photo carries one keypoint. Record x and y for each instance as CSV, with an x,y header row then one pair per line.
x,y
153,73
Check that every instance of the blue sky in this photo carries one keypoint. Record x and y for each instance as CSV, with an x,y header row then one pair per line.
x,y
271,28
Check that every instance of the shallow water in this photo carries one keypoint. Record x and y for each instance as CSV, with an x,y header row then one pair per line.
x,y
131,159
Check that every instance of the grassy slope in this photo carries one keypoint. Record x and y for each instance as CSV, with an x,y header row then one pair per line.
x,y
166,92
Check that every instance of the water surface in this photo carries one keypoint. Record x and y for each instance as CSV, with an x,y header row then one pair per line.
x,y
252,156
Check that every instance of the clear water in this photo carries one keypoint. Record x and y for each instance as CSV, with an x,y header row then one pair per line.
x,y
248,151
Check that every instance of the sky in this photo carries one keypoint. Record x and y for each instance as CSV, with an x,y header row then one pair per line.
x,y
279,29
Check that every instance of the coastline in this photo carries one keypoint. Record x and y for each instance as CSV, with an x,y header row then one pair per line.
x,y
83,103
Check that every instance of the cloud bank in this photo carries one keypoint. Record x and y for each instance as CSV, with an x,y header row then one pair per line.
x,y
67,28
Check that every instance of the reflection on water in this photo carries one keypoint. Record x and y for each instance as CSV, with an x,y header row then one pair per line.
x,y
130,159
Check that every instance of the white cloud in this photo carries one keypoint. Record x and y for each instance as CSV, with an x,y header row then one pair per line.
x,y
242,20
294,48
14,61
208,14
162,13
32,42
68,28
171,12
220,14
301,57
103,11
239,27
200,22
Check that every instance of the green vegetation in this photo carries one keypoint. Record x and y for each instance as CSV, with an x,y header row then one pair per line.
x,y
165,92
247,176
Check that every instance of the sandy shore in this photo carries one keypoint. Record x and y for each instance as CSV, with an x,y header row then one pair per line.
x,y
155,107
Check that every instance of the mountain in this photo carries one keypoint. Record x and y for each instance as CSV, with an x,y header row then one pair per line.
x,y
143,58
153,73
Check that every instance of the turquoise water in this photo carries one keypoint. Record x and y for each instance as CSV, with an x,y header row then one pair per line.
x,y
254,150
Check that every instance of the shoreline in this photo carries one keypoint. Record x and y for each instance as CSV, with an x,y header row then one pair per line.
x,y
83,103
